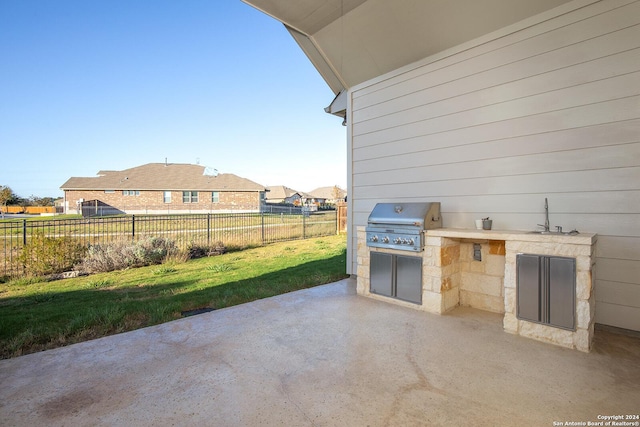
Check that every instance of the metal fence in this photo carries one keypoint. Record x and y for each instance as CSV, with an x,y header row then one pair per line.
x,y
185,230
96,208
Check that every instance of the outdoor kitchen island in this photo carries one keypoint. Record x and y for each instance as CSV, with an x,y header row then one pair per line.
x,y
479,268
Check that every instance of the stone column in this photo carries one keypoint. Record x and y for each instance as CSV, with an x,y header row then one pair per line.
x,y
440,274
585,301
362,254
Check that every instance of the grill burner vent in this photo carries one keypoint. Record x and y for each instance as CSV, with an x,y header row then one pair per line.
x,y
401,225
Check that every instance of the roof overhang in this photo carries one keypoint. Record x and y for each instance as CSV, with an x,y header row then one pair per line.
x,y
338,106
353,41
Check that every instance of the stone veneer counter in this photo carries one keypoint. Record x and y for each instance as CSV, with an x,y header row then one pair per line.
x,y
451,277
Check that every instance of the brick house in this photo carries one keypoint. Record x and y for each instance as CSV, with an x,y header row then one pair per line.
x,y
162,188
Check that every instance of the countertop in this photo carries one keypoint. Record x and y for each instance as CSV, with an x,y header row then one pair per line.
x,y
519,235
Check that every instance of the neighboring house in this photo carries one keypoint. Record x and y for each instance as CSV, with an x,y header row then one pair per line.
x,y
163,188
328,195
286,195
489,107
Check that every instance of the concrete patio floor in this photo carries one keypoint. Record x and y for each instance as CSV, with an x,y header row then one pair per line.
x,y
322,357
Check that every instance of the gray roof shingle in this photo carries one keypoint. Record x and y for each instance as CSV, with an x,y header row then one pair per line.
x,y
162,176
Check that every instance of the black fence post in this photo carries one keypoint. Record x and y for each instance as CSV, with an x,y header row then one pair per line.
x,y
24,232
133,227
304,224
262,220
209,229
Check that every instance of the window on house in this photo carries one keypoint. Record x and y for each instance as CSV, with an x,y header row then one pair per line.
x,y
215,196
130,192
109,191
166,198
189,197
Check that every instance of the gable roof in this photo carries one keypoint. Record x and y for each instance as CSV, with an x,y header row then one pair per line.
x,y
281,192
162,176
328,193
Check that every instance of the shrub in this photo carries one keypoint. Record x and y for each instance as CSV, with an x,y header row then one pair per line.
x,y
46,255
107,257
201,251
118,256
177,257
153,250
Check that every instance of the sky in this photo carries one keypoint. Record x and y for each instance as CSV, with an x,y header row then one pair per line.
x,y
113,84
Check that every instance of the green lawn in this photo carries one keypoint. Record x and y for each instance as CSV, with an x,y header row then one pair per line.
x,y
41,315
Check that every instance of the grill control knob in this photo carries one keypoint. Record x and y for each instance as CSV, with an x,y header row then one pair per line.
x,y
410,242
397,240
374,238
385,239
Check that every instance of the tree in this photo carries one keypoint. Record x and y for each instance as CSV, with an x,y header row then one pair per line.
x,y
23,203
41,201
6,195
336,193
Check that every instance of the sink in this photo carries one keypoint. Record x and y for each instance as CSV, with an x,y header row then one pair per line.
x,y
555,233
546,230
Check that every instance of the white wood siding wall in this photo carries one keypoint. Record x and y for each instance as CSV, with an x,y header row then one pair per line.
x,y
550,110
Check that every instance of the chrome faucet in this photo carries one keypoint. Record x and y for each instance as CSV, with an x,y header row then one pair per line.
x,y
546,216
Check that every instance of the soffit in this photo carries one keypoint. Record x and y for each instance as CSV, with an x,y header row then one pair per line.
x,y
353,41
306,16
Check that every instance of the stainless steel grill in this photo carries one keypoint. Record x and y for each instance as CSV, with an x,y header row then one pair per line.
x,y
401,225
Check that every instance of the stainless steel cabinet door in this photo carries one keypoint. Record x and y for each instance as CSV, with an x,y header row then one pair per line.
x,y
381,273
562,284
529,287
546,290
409,278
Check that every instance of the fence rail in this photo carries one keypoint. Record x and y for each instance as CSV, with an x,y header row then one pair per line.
x,y
96,208
231,229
